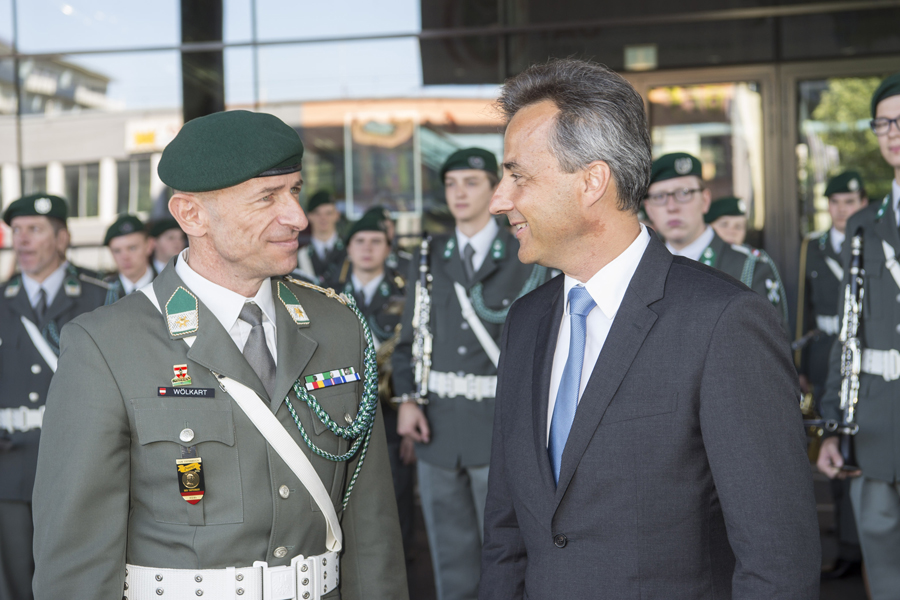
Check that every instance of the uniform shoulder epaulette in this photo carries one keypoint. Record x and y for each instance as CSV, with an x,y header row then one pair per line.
x,y
814,235
326,291
94,281
740,248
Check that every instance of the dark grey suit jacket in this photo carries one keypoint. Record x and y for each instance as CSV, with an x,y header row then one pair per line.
x,y
685,474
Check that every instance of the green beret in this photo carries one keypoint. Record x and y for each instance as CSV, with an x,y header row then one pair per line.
x,y
124,225
889,87
369,222
160,226
382,213
729,206
848,181
37,205
470,158
318,199
225,149
677,164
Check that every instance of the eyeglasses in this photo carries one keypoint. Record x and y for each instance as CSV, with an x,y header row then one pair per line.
x,y
882,125
681,196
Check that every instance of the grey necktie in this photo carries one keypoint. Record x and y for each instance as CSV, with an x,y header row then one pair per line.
x,y
469,266
41,307
255,350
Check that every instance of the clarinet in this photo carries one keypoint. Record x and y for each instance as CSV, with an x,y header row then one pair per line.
x,y
851,351
422,336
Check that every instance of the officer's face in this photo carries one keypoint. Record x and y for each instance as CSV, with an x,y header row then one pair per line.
x,y
38,246
252,228
168,244
890,143
468,193
731,228
540,200
131,253
842,205
368,250
679,223
324,219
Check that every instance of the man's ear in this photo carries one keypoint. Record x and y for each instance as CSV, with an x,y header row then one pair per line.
x,y
707,200
597,178
190,212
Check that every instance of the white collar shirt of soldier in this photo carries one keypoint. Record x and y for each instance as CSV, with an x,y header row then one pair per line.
x,y
51,285
695,248
226,305
481,242
368,290
895,192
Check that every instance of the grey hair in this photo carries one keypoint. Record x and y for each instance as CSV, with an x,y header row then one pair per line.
x,y
601,117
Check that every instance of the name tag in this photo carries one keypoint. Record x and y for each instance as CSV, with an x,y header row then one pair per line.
x,y
187,391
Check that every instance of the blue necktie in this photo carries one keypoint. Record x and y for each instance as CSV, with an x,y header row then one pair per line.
x,y
580,304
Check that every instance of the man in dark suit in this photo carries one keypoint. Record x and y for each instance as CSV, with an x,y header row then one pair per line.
x,y
647,435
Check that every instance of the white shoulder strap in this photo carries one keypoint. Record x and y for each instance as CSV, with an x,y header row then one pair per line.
x,y
468,313
271,429
836,268
891,261
40,343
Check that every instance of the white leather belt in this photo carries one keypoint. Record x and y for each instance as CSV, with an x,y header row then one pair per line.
x,y
304,579
21,418
472,387
881,362
828,324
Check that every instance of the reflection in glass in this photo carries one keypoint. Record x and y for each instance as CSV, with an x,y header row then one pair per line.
x,y
34,180
82,189
834,135
721,124
133,178
279,20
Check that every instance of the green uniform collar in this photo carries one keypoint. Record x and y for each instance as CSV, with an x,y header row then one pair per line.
x,y
497,251
884,206
708,257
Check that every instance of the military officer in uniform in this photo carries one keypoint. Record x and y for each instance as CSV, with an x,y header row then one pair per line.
x,y
168,240
130,246
379,292
475,267
728,218
676,204
35,303
324,257
821,274
260,469
398,259
874,490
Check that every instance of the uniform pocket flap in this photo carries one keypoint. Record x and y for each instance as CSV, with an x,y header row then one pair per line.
x,y
184,422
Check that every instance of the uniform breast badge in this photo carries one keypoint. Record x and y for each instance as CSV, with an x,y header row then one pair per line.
x,y
329,378
190,479
181,376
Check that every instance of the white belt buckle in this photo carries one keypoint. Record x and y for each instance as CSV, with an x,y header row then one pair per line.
x,y
891,364
278,583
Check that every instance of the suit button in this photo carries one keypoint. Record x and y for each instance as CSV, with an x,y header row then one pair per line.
x,y
898,328
186,435
34,396
284,491
461,350
560,541
814,274
463,325
36,369
280,552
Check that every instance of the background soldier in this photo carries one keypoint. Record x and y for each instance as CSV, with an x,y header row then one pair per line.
x,y
130,246
874,491
175,482
453,432
398,259
817,311
728,218
168,241
676,203
46,294
323,258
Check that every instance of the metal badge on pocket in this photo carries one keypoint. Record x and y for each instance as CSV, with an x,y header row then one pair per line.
x,y
190,479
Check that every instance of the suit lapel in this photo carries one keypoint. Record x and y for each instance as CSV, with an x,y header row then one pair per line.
x,y
61,303
453,266
547,334
630,327
21,305
295,349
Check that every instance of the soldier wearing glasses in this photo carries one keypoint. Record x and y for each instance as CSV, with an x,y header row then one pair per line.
x,y
676,204
875,491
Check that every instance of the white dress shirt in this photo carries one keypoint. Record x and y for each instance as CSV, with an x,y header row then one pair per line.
x,y
130,286
159,266
837,240
481,242
895,195
226,305
607,288
695,248
51,285
367,290
323,248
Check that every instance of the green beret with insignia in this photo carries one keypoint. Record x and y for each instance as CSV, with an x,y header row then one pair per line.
x,y
729,206
124,225
369,222
318,199
37,205
470,158
225,149
382,213
848,181
889,87
677,164
160,226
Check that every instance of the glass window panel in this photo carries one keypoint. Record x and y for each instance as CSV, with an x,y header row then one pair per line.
x,y
143,199
238,25
279,20
239,80
721,124
6,29
123,185
842,34
834,136
34,180
72,185
91,186
557,11
465,60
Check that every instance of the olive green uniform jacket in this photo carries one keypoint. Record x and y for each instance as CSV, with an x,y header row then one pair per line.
x,y
878,411
107,491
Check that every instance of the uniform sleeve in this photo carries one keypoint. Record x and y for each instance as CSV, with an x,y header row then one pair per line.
x,y
403,378
805,308
756,446
373,564
81,493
